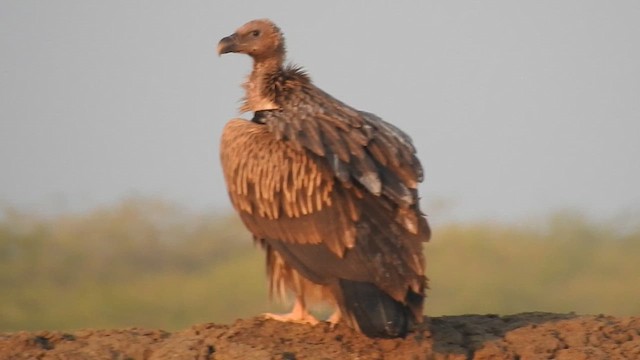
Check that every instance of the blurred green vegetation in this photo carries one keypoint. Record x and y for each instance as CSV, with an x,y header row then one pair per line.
x,y
145,262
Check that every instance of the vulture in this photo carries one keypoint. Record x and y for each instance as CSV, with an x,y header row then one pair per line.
x,y
328,191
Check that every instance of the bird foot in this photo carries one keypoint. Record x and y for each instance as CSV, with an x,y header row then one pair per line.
x,y
334,319
293,317
298,314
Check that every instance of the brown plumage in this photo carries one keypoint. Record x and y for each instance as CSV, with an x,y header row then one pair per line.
x,y
328,190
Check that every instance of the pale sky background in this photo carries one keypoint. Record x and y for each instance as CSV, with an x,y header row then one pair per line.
x,y
517,108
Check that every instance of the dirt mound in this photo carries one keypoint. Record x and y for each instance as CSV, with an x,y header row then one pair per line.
x,y
522,336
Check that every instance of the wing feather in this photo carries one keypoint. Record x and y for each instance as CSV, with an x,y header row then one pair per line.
x,y
358,147
283,193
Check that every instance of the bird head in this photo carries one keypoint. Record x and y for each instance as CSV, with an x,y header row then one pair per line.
x,y
258,39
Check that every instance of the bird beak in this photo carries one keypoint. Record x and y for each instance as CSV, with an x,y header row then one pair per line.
x,y
227,45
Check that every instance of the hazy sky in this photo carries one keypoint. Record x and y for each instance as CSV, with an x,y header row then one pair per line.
x,y
517,108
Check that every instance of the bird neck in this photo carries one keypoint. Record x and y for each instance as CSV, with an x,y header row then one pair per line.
x,y
263,67
257,94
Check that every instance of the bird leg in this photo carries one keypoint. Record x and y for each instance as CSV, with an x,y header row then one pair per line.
x,y
335,318
299,314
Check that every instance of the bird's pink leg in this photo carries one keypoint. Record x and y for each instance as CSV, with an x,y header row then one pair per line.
x,y
335,318
299,314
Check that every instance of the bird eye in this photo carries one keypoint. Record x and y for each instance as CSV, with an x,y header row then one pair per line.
x,y
255,33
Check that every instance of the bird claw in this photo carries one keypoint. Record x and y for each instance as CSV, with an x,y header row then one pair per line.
x,y
334,319
292,317
298,314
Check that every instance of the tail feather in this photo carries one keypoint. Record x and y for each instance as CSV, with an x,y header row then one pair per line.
x,y
376,313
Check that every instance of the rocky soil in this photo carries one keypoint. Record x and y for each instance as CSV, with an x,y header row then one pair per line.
x,y
518,337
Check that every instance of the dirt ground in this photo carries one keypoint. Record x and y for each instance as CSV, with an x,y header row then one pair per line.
x,y
518,337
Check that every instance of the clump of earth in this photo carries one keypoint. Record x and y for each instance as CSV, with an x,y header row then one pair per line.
x,y
523,336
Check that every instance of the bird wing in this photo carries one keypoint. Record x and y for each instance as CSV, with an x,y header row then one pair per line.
x,y
291,199
284,193
357,146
